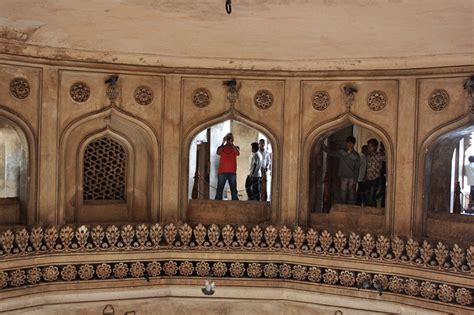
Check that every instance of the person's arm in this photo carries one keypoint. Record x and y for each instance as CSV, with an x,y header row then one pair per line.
x,y
357,168
236,149
219,148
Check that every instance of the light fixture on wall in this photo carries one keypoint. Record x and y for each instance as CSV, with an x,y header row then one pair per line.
x,y
232,91
469,87
228,6
209,288
349,95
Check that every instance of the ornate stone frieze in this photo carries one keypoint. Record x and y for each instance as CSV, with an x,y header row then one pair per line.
x,y
263,99
377,100
407,286
321,100
438,100
20,88
143,95
201,97
80,92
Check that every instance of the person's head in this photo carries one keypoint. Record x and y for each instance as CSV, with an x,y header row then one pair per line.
x,y
350,142
229,138
365,149
471,159
261,144
254,147
373,144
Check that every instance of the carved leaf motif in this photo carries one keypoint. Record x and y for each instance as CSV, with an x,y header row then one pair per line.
x,y
441,254
200,234
82,235
21,238
398,246
242,235
426,252
156,232
312,238
185,233
326,240
170,234
36,237
470,257
112,235
298,237
66,235
354,244
142,234
213,233
382,246
256,235
97,235
285,236
368,245
50,237
412,248
127,233
228,235
457,256
270,236
340,241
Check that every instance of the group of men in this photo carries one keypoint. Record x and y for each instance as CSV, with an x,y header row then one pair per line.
x,y
259,163
362,176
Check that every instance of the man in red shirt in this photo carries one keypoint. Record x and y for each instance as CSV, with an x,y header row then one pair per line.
x,y
227,166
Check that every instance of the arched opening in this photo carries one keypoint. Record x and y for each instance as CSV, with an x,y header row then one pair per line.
x,y
347,179
14,168
448,203
214,166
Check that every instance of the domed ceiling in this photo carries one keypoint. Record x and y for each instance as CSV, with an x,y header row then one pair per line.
x,y
258,34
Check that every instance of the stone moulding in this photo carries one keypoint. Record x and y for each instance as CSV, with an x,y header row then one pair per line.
x,y
409,267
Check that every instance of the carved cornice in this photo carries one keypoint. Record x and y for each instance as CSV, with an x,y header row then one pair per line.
x,y
438,273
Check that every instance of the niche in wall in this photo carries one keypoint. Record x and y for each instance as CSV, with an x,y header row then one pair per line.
x,y
203,171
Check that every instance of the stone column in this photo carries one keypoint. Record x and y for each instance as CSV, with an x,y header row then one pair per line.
x,y
48,151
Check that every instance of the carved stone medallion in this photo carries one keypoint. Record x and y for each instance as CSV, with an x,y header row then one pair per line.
x,y
143,95
79,92
377,100
438,100
263,99
201,97
321,100
20,88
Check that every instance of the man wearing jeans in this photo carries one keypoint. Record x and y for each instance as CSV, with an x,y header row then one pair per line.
x,y
227,166
348,172
374,170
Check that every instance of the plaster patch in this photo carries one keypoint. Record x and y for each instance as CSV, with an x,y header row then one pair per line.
x,y
20,30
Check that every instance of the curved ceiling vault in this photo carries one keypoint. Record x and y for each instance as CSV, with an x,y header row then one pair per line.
x,y
263,34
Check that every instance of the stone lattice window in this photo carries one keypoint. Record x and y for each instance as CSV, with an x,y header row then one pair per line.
x,y
104,170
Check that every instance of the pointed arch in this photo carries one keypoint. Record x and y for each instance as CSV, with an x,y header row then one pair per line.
x,y
28,176
235,115
142,149
423,163
325,129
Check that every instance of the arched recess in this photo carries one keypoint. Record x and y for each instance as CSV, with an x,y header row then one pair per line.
x,y
140,143
274,216
324,130
443,136
28,174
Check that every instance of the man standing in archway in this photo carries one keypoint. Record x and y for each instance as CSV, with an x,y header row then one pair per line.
x,y
469,170
228,153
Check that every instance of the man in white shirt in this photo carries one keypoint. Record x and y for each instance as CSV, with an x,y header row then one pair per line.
x,y
252,184
469,171
266,166
361,187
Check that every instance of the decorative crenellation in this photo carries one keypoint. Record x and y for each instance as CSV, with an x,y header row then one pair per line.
x,y
263,99
394,250
433,291
20,88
